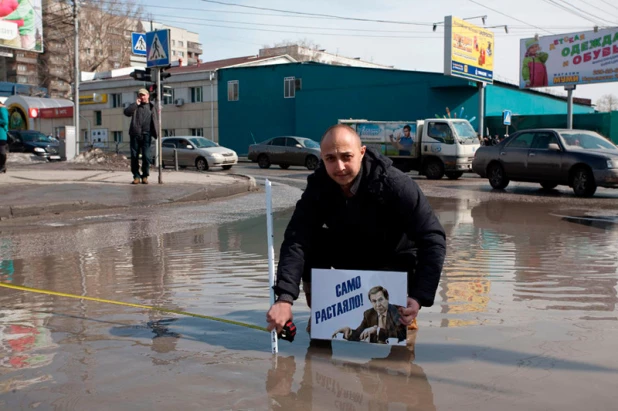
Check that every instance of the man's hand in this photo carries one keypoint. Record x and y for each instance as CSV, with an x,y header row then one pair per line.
x,y
368,332
347,331
138,101
408,314
279,314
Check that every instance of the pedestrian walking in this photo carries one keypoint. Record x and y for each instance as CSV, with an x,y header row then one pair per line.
x,y
141,131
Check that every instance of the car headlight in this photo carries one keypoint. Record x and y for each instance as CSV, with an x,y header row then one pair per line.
x,y
610,164
39,150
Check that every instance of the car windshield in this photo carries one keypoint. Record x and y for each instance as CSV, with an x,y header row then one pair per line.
x,y
465,132
310,143
586,140
35,138
202,143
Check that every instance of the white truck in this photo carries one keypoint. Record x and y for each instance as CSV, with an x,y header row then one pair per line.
x,y
434,147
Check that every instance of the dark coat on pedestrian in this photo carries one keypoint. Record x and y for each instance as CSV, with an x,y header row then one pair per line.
x,y
387,225
140,115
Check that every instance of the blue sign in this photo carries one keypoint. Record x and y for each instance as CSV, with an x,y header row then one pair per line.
x,y
506,117
138,44
158,48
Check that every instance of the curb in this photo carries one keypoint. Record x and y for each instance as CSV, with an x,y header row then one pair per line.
x,y
244,184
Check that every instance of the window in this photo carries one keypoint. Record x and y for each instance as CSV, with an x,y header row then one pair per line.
x,y
97,118
22,79
289,87
88,51
181,53
232,90
279,141
118,136
522,141
543,140
168,95
196,95
173,52
116,100
181,44
169,132
291,142
197,132
22,67
440,132
173,42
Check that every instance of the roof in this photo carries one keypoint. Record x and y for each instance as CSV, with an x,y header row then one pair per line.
x,y
38,102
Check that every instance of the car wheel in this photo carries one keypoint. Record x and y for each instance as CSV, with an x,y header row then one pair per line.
x,y
284,166
263,161
433,170
549,186
583,183
453,175
201,164
227,167
312,162
497,177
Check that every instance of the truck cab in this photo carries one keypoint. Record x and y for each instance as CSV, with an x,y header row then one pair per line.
x,y
433,147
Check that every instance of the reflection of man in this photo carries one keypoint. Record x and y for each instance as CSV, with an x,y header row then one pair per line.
x,y
327,383
403,142
379,323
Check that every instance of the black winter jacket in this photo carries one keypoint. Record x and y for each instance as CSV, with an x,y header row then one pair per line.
x,y
139,119
387,225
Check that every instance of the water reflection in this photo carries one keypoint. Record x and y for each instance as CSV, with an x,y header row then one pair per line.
x,y
327,382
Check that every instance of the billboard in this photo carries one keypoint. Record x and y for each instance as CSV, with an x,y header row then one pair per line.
x,y
21,25
468,50
566,59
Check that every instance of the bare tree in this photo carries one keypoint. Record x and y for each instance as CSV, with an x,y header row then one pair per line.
x,y
607,102
105,39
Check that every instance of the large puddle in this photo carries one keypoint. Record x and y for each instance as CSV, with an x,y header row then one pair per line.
x,y
525,317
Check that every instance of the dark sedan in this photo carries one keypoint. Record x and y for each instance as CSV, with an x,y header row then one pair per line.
x,y
286,152
35,142
581,159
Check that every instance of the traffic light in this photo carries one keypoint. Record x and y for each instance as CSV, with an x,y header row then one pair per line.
x,y
143,75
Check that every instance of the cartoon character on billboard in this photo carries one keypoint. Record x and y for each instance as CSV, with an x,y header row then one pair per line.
x,y
380,323
533,70
403,141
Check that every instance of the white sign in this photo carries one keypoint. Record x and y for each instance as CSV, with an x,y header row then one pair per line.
x,y
358,306
506,117
8,30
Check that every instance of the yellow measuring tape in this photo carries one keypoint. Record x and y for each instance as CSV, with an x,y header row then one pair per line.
x,y
146,307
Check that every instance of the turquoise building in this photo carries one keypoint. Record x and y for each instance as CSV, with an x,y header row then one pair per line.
x,y
304,99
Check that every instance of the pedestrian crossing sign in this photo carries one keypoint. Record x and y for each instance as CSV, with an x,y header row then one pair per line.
x,y
138,44
506,117
158,48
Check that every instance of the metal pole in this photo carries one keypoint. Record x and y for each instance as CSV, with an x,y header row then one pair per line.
x,y
159,148
569,90
76,77
274,346
481,87
175,160
212,108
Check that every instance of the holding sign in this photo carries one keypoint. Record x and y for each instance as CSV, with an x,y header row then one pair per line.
x,y
358,306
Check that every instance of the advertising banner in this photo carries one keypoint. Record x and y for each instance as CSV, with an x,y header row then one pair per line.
x,y
468,50
575,58
388,138
21,26
358,306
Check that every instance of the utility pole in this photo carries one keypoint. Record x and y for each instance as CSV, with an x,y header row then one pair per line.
x,y
76,76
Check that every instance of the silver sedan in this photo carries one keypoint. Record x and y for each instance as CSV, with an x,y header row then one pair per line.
x,y
197,152
286,152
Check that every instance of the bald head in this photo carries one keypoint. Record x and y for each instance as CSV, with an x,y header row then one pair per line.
x,y
342,153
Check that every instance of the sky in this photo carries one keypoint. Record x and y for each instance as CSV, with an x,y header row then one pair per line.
x,y
405,39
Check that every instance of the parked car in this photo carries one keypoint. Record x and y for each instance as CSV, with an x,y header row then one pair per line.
x,y
581,159
35,142
196,152
286,152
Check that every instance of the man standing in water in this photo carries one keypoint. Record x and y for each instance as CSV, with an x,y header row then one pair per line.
x,y
359,213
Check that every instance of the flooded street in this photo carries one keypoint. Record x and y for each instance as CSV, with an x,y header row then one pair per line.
x,y
525,316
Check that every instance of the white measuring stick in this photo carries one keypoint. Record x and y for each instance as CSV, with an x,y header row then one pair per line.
x,y
271,259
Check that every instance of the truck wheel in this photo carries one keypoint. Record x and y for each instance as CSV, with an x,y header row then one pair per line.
x,y
497,177
434,170
583,183
453,175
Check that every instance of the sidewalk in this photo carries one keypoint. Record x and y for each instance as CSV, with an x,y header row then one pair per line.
x,y
31,192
